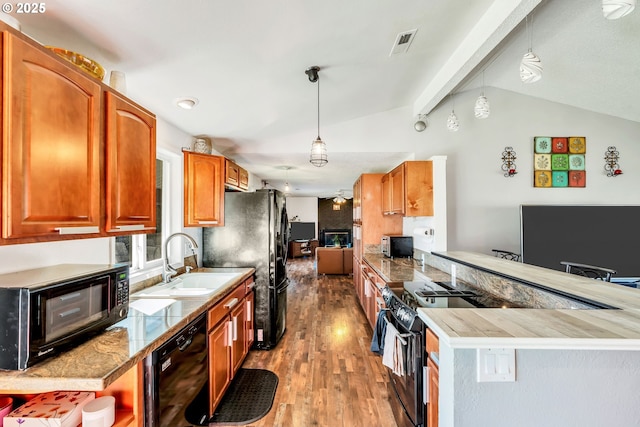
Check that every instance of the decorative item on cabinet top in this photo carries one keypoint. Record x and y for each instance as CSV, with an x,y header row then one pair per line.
x,y
87,65
202,145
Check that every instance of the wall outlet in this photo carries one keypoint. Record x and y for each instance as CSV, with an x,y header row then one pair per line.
x,y
496,364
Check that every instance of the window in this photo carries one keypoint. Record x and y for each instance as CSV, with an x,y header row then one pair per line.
x,y
144,251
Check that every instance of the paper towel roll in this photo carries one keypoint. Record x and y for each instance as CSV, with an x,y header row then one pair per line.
x,y
423,231
100,412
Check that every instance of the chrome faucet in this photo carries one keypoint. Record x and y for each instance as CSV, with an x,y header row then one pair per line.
x,y
168,271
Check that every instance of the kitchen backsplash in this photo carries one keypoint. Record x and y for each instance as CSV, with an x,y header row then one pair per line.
x,y
511,290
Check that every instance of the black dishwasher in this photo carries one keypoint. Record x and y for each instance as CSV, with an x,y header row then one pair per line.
x,y
175,374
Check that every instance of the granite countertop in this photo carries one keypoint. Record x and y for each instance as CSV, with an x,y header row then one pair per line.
x,y
540,328
403,269
97,363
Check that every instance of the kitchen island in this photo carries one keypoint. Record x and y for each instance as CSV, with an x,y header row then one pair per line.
x,y
111,361
574,366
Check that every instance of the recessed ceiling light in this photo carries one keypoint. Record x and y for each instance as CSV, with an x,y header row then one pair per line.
x,y
187,103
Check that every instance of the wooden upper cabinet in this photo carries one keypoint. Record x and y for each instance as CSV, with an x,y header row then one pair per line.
x,y
409,189
232,175
397,178
244,179
235,176
130,166
373,224
51,146
386,194
203,190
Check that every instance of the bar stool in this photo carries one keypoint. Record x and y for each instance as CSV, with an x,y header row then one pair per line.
x,y
506,254
590,271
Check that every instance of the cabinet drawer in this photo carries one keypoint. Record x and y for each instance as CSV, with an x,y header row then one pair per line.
x,y
249,284
433,345
224,307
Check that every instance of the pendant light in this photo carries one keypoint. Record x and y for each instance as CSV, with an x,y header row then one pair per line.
x,y
482,108
452,121
615,9
318,155
286,183
530,66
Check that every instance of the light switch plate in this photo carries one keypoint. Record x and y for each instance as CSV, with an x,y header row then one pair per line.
x,y
496,364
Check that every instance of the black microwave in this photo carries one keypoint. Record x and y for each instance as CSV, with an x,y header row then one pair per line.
x,y
48,309
397,246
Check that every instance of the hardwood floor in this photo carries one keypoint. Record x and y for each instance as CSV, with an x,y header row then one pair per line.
x,y
327,374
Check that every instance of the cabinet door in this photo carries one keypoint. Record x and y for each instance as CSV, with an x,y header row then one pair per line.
x,y
244,179
397,190
357,201
203,190
219,362
418,188
249,322
51,151
130,166
386,194
232,175
432,406
238,345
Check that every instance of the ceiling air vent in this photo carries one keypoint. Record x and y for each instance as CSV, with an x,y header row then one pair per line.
x,y
403,41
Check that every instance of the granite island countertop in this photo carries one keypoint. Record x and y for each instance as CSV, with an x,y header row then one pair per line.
x,y
540,328
98,362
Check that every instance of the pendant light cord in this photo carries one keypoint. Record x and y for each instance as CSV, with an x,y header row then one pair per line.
x,y
318,106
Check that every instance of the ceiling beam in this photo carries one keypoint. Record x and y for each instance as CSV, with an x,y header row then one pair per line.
x,y
494,26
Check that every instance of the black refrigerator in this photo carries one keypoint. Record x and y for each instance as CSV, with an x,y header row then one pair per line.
x,y
255,234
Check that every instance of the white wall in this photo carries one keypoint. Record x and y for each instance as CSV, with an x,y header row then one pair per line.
x,y
482,203
305,208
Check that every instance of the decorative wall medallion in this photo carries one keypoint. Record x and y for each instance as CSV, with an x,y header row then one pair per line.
x,y
559,161
611,158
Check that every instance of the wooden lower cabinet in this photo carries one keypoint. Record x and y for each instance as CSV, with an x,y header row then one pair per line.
x,y
129,393
230,326
238,338
219,363
433,347
370,294
249,333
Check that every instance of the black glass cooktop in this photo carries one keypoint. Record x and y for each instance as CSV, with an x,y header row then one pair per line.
x,y
443,294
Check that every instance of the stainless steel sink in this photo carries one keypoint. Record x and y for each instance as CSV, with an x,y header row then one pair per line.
x,y
191,285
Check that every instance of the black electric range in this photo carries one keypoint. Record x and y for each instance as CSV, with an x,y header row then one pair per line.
x,y
403,298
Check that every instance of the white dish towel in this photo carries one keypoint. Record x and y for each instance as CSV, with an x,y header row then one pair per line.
x,y
393,354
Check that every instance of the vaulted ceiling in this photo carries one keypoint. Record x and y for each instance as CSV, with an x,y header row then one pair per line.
x,y
245,59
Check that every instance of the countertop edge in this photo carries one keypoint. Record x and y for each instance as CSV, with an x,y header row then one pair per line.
x,y
36,380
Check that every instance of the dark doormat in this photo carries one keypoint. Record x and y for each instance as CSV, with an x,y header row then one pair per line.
x,y
248,398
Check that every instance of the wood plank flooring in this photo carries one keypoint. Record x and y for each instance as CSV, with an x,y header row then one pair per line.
x,y
327,374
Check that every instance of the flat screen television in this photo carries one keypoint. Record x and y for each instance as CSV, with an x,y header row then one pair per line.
x,y
302,230
601,235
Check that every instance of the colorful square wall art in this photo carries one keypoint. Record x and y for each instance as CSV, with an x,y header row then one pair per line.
x,y
558,161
